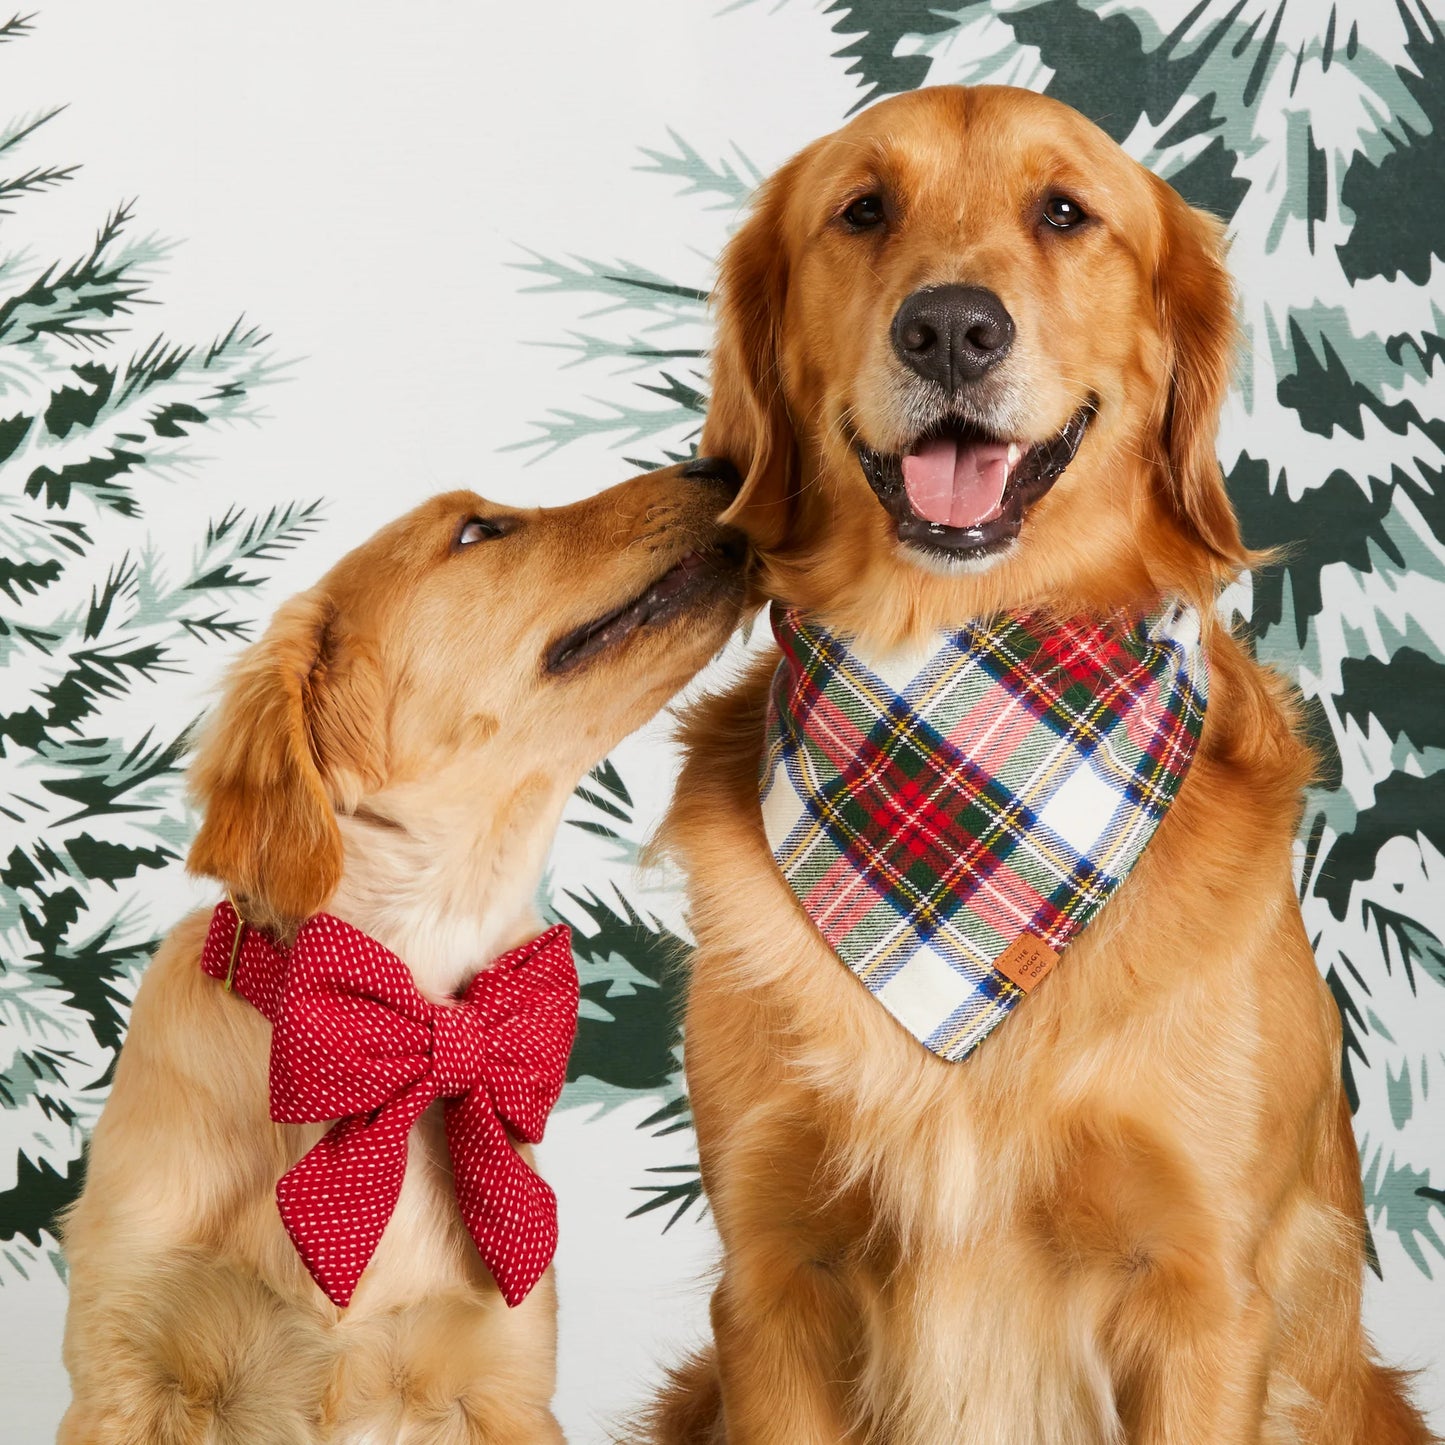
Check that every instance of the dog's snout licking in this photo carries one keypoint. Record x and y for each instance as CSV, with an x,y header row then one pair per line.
x,y
692,575
952,335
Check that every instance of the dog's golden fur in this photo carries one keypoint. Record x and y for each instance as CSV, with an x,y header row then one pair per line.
x,y
1135,1214
395,751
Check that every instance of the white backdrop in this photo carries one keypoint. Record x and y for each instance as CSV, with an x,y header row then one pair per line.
x,y
362,181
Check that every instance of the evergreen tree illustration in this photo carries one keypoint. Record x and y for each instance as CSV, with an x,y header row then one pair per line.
x,y
95,618
1318,134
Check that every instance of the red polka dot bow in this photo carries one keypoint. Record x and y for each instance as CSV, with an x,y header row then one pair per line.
x,y
353,1040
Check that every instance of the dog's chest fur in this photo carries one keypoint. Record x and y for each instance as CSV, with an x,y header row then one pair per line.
x,y
1010,1206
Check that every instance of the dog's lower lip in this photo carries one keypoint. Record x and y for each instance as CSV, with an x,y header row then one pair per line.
x,y
695,573
1038,468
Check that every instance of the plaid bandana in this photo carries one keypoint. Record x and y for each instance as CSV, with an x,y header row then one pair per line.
x,y
951,818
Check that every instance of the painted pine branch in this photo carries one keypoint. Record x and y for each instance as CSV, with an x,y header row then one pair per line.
x,y
626,424
730,184
81,304
617,285
681,1194
627,1036
16,26
38,178
23,127
588,348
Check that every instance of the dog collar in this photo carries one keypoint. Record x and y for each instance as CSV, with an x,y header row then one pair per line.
x,y
352,1040
951,817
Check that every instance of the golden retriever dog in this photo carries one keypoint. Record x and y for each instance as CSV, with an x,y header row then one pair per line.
x,y
397,750
1135,1213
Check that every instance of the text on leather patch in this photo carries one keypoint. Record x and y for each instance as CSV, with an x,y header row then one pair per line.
x,y
1026,960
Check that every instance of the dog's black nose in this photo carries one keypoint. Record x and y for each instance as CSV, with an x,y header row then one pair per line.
x,y
714,469
951,335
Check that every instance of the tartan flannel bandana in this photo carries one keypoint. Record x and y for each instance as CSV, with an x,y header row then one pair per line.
x,y
950,818
353,1040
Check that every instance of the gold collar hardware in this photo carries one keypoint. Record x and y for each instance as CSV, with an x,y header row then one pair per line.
x,y
235,944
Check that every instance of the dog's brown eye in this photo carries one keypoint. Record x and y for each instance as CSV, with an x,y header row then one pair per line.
x,y
477,529
1063,214
866,211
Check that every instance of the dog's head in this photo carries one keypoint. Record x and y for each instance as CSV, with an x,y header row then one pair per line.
x,y
970,355
465,642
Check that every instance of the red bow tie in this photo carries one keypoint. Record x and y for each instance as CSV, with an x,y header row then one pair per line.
x,y
353,1040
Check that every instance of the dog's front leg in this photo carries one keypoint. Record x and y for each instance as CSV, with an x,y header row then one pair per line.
x,y
1200,1373
780,1328
92,1423
785,1320
186,1349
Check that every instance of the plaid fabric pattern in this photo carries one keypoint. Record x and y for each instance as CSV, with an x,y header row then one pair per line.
x,y
929,808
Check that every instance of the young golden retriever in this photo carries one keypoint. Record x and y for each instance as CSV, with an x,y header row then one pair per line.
x,y
970,358
396,750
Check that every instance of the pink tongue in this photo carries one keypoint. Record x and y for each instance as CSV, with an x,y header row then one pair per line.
x,y
957,486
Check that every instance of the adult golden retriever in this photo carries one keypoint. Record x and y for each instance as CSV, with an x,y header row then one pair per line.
x,y
396,750
970,357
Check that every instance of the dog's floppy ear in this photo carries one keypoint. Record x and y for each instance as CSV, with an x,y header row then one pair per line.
x,y
1196,314
747,416
297,733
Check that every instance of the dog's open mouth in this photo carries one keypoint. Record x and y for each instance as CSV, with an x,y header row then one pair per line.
x,y
963,493
698,575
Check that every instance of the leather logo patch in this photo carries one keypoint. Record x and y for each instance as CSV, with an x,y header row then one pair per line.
x,y
1026,960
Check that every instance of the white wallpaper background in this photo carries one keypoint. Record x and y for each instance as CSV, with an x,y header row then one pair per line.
x,y
368,184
